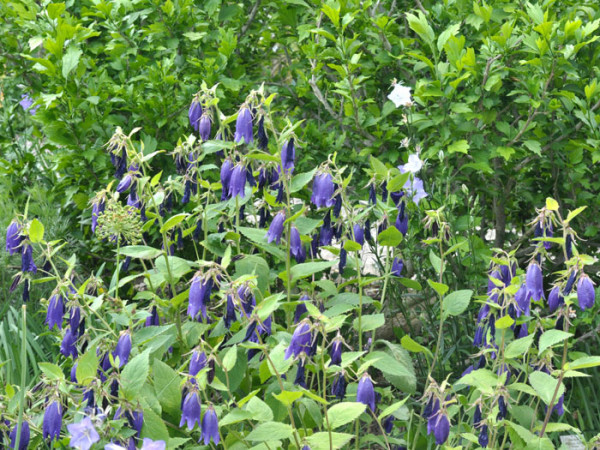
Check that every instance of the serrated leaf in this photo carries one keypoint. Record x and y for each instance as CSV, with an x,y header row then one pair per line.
x,y
457,302
545,386
36,231
134,375
344,412
390,237
518,347
552,337
70,60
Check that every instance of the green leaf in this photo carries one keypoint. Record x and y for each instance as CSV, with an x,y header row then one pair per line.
x,y
87,367
369,322
483,379
271,431
445,35
52,371
288,397
461,146
573,214
140,251
390,237
320,440
344,412
36,231
301,180
166,387
436,262
457,302
178,267
413,346
254,264
398,182
440,288
551,204
230,358
552,337
396,369
307,269
504,322
518,347
583,363
545,385
173,221
392,408
70,60
134,375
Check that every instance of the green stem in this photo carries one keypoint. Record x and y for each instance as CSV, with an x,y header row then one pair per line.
x,y
23,374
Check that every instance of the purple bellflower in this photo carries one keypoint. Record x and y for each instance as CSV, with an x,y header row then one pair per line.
x,y
56,311
194,113
585,292
359,234
237,183
365,393
439,425
323,189
199,296
123,348
204,127
52,421
27,263
243,126
83,434
555,299
338,388
69,343
288,155
397,266
13,238
534,281
276,228
190,410
335,352
297,249
25,436
197,363
226,171
301,340
210,427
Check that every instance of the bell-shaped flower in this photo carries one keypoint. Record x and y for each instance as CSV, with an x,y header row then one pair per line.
x,y
204,127
52,421
56,311
237,183
365,393
288,156
301,340
210,427
197,362
585,292
194,113
226,171
276,228
534,281
13,238
83,434
243,127
25,436
123,348
323,190
190,410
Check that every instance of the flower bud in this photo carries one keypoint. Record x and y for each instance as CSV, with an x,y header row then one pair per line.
x,y
365,392
243,127
276,228
585,292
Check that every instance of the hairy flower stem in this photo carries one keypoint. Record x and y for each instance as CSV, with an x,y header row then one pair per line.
x,y
441,326
23,374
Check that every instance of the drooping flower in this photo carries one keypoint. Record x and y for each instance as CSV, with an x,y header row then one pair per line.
x,y
534,281
439,425
502,410
226,171
123,348
326,231
523,299
263,139
83,434
69,343
237,183
210,427
397,266
301,340
323,189
555,299
204,127
199,296
56,311
125,183
359,234
194,113
288,156
13,238
97,208
388,424
372,194
400,95
197,363
230,315
338,388
343,260
27,263
243,127
585,292
25,436
335,352
402,219
297,249
484,438
276,228
190,410
365,393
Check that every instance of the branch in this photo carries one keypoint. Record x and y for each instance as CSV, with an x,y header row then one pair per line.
x,y
250,20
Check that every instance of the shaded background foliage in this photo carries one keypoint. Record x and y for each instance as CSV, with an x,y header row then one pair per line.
x,y
505,102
